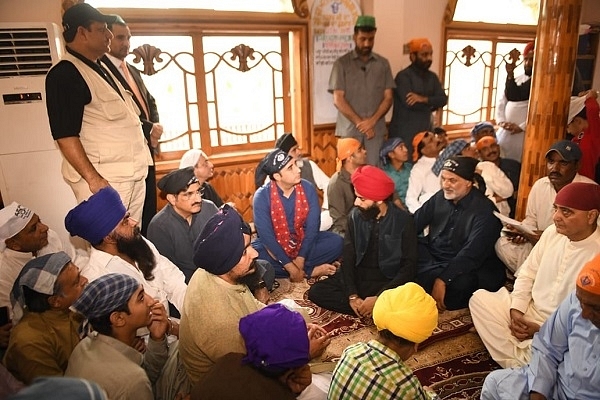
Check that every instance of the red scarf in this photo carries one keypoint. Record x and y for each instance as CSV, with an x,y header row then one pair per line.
x,y
290,243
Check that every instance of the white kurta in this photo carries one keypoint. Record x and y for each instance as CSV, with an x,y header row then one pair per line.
x,y
544,280
422,183
538,216
168,284
12,262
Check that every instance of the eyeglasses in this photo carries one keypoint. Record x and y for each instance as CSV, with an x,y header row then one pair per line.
x,y
189,195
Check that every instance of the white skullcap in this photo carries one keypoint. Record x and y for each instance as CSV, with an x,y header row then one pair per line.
x,y
13,219
190,158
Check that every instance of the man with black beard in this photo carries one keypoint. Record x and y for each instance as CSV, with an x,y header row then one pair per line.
x,y
218,297
380,248
418,92
361,83
119,247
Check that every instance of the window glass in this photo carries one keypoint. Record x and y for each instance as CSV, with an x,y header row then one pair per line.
x,y
520,12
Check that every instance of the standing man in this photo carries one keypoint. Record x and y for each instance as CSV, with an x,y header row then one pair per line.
x,y
361,82
512,106
131,80
418,92
93,119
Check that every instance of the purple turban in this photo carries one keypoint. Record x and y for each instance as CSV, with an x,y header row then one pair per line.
x,y
276,339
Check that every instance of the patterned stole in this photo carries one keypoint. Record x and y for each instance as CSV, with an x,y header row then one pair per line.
x,y
289,242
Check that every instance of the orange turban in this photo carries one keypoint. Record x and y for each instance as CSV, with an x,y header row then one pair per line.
x,y
485,142
589,276
417,44
346,147
415,143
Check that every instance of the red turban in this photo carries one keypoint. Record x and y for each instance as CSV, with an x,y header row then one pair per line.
x,y
528,47
415,45
580,196
372,183
589,276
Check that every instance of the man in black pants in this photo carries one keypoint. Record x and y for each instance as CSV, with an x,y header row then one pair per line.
x,y
380,248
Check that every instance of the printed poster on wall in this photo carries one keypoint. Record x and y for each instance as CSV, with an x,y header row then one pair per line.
x,y
332,28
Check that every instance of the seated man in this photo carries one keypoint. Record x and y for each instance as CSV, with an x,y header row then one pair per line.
x,y
350,155
45,331
116,306
309,170
286,216
174,228
23,236
118,246
481,130
457,256
203,170
216,299
394,161
506,322
562,163
488,150
275,366
380,249
423,182
404,316
584,125
564,362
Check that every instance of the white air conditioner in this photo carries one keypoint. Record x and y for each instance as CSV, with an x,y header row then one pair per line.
x,y
29,159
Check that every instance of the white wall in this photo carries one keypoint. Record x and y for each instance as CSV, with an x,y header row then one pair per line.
x,y
30,11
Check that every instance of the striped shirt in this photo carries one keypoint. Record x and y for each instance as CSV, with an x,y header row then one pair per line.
x,y
374,371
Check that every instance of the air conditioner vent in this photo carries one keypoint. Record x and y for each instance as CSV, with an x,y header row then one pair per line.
x,y
24,52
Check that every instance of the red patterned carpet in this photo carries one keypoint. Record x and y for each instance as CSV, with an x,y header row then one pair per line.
x,y
453,361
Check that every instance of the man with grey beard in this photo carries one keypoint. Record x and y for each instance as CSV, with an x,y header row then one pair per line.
x,y
457,257
119,247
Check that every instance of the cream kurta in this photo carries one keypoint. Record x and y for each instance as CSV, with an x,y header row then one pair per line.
x,y
538,216
544,280
210,319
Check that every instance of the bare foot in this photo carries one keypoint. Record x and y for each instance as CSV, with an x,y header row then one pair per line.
x,y
323,269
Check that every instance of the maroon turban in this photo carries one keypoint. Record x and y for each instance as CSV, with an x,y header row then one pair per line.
x,y
580,196
372,183
528,47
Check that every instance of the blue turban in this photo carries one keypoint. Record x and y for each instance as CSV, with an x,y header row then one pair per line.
x,y
276,339
388,145
482,125
93,219
453,149
105,295
39,275
221,243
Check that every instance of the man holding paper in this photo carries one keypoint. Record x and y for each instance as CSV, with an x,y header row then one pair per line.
x,y
506,322
562,163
